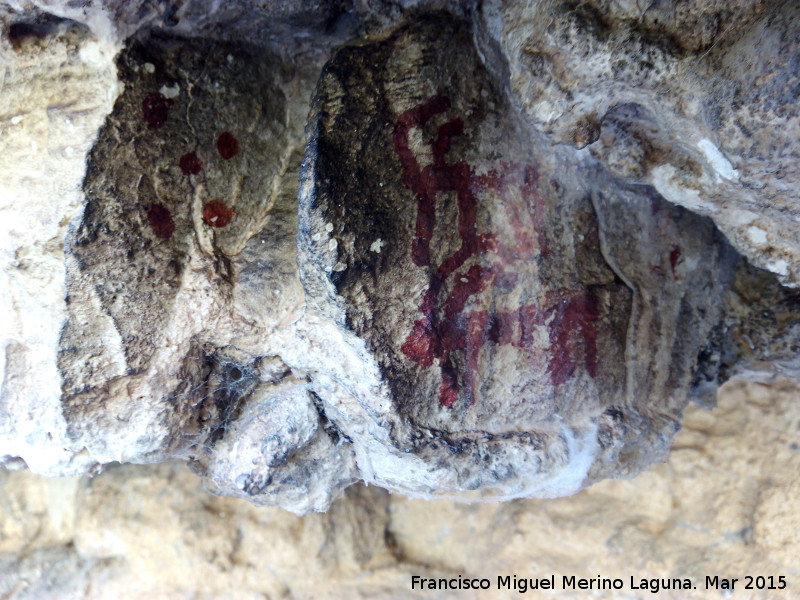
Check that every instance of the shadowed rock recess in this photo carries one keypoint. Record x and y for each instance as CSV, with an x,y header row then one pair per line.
x,y
484,250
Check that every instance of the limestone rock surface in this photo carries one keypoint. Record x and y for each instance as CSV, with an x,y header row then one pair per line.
x,y
723,502
697,99
486,250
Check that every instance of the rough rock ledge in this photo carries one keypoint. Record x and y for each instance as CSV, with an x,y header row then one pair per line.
x,y
484,250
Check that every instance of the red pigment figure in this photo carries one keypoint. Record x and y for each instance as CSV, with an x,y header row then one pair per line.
x,y
190,164
675,259
217,214
161,221
227,145
446,327
155,109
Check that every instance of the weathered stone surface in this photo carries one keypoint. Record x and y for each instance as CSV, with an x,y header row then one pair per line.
x,y
57,84
492,281
697,99
498,274
185,169
189,227
724,502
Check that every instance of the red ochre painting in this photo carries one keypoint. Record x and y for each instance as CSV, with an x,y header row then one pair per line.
x,y
155,112
445,326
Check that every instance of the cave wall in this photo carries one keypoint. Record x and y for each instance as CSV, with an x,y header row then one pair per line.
x,y
724,502
475,250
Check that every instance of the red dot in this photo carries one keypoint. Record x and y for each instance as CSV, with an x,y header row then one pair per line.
x,y
227,145
155,109
161,221
190,164
217,214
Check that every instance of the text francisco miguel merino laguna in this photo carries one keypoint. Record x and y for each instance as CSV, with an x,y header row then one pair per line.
x,y
568,582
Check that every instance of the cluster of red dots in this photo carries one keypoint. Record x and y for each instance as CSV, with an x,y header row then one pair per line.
x,y
155,112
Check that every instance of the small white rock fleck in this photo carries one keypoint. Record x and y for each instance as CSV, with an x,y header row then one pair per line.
x,y
149,67
716,159
229,58
780,266
758,235
376,246
332,244
464,280
339,267
16,120
316,237
170,92
329,227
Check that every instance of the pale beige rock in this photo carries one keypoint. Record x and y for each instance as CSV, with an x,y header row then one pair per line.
x,y
724,503
689,517
778,522
54,94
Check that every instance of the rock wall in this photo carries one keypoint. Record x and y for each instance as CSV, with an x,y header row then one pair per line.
x,y
476,250
724,503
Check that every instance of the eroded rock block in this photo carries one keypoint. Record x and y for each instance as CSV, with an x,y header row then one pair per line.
x,y
473,284
714,88
178,240
532,321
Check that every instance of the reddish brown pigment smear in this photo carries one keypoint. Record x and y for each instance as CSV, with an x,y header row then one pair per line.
x,y
161,221
573,326
227,145
217,214
155,110
445,327
674,260
190,164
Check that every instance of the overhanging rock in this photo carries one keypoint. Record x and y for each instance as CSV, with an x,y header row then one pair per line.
x,y
300,265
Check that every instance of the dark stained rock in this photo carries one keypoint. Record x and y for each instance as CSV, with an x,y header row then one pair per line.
x,y
511,325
